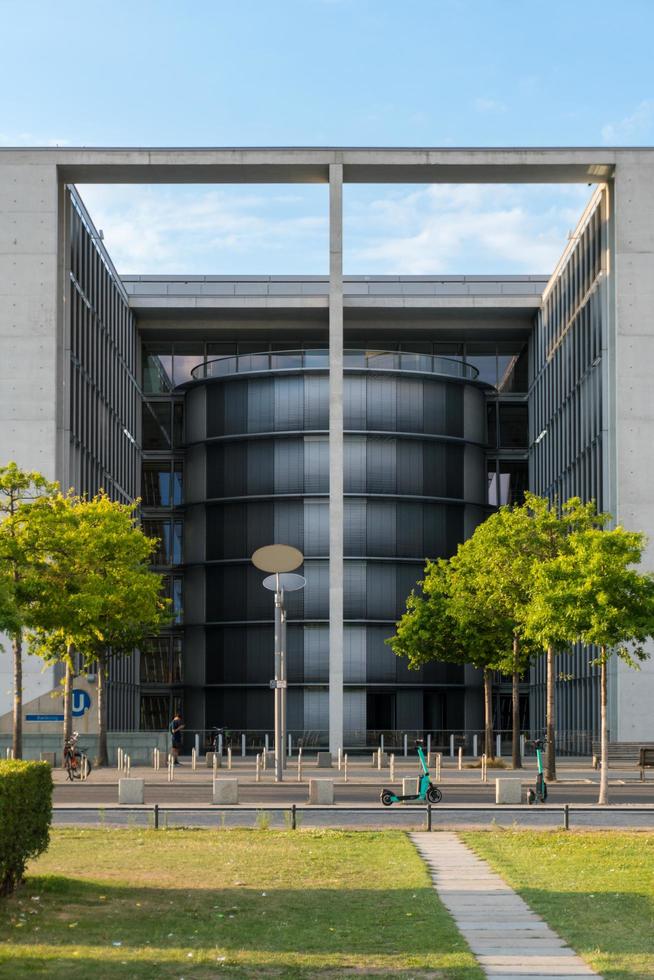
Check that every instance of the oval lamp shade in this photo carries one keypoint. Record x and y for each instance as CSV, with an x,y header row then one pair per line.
x,y
288,582
277,558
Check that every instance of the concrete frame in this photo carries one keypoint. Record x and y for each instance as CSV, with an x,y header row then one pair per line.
x,y
33,303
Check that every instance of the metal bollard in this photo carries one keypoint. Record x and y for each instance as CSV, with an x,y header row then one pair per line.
x,y
340,758
229,757
299,764
290,745
566,817
119,759
429,816
257,769
220,745
265,742
381,741
391,773
379,758
460,758
85,768
522,746
243,746
406,746
293,817
215,765
128,766
437,766
171,767
475,739
498,746
156,816
345,768
451,746
484,769
197,743
428,746
193,759
264,756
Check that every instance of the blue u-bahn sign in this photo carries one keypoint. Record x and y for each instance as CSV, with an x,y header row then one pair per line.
x,y
81,704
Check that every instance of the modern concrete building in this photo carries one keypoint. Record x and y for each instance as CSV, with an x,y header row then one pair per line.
x,y
370,421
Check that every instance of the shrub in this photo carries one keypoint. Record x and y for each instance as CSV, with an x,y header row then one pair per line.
x,y
25,814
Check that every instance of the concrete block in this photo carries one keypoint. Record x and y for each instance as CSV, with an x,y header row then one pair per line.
x,y
50,757
384,760
225,791
209,760
321,791
131,791
410,787
508,790
324,760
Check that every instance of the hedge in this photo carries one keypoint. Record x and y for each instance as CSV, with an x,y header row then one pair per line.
x,y
25,815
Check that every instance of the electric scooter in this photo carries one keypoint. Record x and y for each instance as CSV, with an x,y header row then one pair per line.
x,y
426,789
539,794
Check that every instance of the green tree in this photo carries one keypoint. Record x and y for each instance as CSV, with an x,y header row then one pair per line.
x,y
18,490
97,595
439,625
595,595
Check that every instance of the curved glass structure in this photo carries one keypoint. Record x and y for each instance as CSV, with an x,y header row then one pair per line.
x,y
258,472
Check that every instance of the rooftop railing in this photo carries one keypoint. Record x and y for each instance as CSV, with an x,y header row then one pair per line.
x,y
318,359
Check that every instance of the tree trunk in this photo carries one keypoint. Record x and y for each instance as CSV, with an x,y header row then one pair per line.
x,y
68,694
102,758
550,723
604,735
488,714
516,760
17,741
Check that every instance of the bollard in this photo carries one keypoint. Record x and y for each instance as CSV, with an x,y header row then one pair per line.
x,y
229,757
243,746
406,746
460,758
392,768
379,758
171,767
267,747
522,746
215,765
264,756
290,745
257,769
484,770
193,759
451,746
340,758
197,743
299,764
498,746
474,745
345,768
219,748
429,817
156,816
85,768
119,759
293,817
428,746
566,817
437,766
381,741
128,766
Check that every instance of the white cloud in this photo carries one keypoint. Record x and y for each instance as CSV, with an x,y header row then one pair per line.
x,y
635,128
209,230
471,228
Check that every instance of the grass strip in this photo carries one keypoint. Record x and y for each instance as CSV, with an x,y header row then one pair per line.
x,y
595,889
194,904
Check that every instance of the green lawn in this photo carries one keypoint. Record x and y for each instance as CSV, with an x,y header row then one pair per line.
x,y
193,904
595,889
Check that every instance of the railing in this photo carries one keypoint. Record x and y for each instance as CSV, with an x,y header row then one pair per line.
x,y
446,741
371,360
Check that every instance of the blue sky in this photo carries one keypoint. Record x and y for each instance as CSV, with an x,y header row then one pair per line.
x,y
329,72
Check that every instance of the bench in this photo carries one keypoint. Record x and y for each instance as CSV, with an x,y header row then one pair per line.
x,y
621,754
646,760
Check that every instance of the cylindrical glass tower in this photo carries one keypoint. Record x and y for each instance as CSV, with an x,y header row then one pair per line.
x,y
258,473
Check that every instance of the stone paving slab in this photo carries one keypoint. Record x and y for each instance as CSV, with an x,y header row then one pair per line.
x,y
507,937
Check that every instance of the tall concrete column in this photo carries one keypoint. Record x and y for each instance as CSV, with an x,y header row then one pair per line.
x,y
633,269
335,457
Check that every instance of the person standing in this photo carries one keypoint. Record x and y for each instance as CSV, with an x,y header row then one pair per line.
x,y
176,729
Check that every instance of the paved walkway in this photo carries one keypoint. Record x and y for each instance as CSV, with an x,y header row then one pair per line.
x,y
507,937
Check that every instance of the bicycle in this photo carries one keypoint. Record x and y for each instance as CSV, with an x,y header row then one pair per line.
x,y
74,758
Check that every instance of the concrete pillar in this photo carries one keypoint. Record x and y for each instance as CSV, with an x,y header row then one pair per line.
x,y
131,791
335,457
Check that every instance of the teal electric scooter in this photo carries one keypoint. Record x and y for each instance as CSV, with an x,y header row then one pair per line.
x,y
427,792
539,794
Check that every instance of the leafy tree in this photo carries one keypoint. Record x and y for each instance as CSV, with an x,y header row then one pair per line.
x,y
439,625
18,490
594,595
97,593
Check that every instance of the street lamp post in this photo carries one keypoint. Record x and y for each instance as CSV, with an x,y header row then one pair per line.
x,y
280,559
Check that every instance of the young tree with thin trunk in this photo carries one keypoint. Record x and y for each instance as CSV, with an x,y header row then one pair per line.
x,y
18,490
593,594
439,625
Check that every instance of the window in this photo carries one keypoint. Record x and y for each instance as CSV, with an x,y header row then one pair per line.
x,y
513,426
161,485
169,536
157,369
